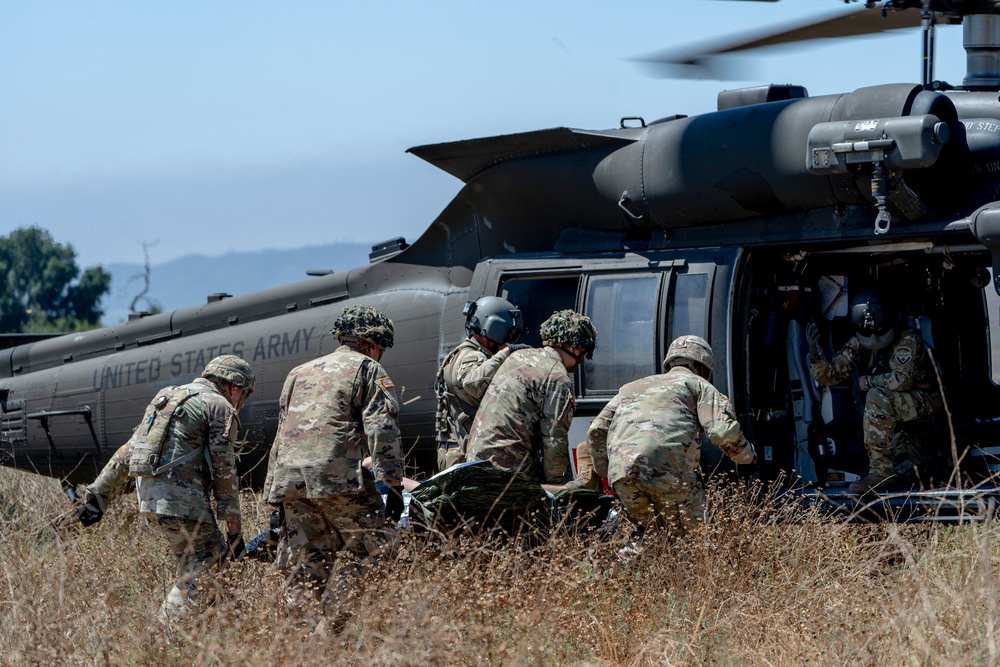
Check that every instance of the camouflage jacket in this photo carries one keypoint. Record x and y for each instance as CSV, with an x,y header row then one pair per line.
x,y
651,431
113,476
205,419
333,412
524,419
461,383
908,366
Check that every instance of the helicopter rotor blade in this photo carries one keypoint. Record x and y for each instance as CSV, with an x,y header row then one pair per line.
x,y
709,60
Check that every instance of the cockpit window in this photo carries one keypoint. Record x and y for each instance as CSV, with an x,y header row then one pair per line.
x,y
624,310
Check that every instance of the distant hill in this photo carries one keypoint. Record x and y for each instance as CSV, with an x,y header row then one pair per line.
x,y
187,281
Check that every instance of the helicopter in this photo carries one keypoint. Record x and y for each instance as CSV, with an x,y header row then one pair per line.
x,y
739,225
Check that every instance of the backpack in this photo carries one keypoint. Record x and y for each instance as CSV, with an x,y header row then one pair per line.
x,y
147,441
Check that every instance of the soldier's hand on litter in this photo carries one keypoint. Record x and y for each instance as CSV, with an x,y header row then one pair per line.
x,y
394,502
237,547
88,514
812,335
864,383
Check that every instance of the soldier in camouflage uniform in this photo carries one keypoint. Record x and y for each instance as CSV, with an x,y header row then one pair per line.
x,y
334,412
178,502
524,419
647,440
493,325
896,381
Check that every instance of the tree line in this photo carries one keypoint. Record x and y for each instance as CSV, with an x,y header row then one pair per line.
x,y
42,289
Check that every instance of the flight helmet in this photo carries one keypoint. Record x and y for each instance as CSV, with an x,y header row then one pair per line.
x,y
691,348
494,318
232,369
364,323
872,316
569,328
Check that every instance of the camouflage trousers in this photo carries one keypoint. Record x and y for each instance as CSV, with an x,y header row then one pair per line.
x,y
199,548
649,505
329,539
449,454
889,453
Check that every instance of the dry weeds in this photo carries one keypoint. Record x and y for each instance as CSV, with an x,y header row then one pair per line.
x,y
755,587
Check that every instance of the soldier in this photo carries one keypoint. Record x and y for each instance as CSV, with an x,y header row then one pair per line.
x,y
492,325
334,412
647,440
524,419
182,455
895,378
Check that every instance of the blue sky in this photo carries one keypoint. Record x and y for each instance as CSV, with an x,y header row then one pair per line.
x,y
207,127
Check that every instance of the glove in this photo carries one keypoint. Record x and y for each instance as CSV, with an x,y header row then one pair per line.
x,y
89,514
237,548
394,503
812,335
864,383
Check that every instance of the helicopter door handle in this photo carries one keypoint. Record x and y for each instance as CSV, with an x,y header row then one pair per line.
x,y
624,204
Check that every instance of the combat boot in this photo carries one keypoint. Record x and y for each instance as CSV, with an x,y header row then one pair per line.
x,y
870,482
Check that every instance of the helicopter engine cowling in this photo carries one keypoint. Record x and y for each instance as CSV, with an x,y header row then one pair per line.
x,y
764,160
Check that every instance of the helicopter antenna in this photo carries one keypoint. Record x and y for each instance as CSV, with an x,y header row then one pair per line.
x,y
927,23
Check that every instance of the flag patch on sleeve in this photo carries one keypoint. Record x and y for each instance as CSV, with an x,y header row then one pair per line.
x,y
386,382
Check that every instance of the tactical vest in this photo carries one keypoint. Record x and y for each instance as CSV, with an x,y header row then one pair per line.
x,y
466,411
147,441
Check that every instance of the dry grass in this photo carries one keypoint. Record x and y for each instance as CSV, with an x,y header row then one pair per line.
x,y
749,589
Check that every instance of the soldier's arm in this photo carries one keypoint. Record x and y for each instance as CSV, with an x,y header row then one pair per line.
x,y
113,476
597,436
223,425
272,458
907,355
475,371
838,369
379,411
557,415
718,419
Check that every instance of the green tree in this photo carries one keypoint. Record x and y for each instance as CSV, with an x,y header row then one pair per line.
x,y
41,287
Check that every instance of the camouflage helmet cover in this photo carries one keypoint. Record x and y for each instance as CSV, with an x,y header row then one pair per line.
x,y
567,327
365,323
692,348
232,369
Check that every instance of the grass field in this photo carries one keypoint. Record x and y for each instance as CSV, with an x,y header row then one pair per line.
x,y
756,586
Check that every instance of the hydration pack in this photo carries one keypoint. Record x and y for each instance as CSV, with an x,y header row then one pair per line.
x,y
147,441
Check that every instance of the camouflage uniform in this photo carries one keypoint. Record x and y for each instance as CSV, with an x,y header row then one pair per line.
x,y
178,502
901,394
334,412
647,442
462,382
112,478
524,419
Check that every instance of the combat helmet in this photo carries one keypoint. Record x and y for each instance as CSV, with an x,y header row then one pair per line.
x,y
569,328
691,348
364,323
232,369
872,316
494,318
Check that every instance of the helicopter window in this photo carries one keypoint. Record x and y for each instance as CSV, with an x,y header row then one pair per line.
x,y
993,309
539,297
624,311
690,305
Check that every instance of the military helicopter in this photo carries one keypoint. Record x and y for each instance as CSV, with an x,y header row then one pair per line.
x,y
739,225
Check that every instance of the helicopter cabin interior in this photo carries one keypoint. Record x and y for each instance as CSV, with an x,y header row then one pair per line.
x,y
753,304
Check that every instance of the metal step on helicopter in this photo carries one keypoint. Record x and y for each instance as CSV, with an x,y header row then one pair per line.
x,y
731,224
